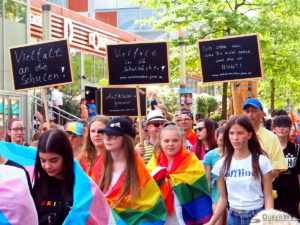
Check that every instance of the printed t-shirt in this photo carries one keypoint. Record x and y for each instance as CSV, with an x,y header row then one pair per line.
x,y
54,208
244,192
269,142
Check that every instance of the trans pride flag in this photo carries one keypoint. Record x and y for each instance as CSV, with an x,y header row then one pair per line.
x,y
148,208
184,186
89,204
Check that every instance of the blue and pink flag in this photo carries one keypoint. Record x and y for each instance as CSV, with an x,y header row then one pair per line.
x,y
89,205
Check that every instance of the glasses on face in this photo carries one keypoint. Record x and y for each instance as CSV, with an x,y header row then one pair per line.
x,y
109,136
158,124
184,120
198,129
16,129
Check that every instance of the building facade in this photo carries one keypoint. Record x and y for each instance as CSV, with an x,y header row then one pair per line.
x,y
21,23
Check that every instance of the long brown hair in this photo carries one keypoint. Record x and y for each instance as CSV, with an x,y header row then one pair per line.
x,y
88,149
210,137
131,178
253,145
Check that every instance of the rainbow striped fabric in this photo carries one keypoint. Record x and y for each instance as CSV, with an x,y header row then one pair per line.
x,y
148,208
186,179
89,204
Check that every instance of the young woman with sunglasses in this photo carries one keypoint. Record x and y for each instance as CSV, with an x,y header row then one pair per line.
x,y
181,178
91,153
244,174
206,141
16,132
125,182
210,159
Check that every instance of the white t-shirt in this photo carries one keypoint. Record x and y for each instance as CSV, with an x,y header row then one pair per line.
x,y
57,96
244,192
114,180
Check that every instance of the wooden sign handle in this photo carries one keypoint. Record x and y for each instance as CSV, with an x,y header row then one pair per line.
x,y
46,108
138,100
233,94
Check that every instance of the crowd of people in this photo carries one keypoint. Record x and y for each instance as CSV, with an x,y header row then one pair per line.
x,y
182,171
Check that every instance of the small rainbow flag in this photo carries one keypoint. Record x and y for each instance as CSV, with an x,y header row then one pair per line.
x,y
141,91
148,208
187,180
89,204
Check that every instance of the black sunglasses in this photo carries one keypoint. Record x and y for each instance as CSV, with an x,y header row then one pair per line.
x,y
157,124
199,129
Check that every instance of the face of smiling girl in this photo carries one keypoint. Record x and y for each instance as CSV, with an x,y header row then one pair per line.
x,y
171,143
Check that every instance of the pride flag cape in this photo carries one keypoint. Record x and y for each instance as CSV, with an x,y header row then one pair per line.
x,y
184,186
16,203
148,208
89,204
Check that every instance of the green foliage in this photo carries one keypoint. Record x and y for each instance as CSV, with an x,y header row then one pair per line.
x,y
276,21
217,117
168,97
212,104
205,105
201,105
70,105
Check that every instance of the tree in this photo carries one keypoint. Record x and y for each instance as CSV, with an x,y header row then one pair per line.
x,y
276,21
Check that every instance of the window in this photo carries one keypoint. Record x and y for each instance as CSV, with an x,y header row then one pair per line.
x,y
62,3
127,18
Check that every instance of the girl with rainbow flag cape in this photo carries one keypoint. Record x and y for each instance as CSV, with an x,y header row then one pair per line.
x,y
181,178
89,205
125,182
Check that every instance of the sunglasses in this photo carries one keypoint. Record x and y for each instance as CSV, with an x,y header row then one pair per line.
x,y
198,129
158,124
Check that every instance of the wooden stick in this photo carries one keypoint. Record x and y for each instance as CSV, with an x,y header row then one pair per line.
x,y
233,94
138,101
46,108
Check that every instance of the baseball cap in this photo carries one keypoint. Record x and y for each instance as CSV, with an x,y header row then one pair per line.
x,y
252,102
75,127
118,126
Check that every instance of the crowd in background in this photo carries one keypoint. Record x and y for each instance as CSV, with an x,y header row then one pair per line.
x,y
182,171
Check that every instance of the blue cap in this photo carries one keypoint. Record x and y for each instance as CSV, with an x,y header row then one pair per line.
x,y
253,102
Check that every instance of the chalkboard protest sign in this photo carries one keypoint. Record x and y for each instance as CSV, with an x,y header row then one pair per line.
x,y
138,63
230,58
42,64
122,101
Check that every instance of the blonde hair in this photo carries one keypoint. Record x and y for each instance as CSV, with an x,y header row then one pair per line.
x,y
88,149
171,127
131,178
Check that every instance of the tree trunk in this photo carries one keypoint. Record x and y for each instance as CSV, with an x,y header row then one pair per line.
x,y
224,101
272,84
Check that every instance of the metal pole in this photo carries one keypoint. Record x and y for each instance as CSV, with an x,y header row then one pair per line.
x,y
82,77
46,18
182,64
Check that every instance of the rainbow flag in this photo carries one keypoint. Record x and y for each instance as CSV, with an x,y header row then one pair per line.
x,y
148,208
141,91
89,204
186,178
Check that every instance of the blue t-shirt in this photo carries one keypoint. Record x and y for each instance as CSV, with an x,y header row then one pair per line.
x,y
211,159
